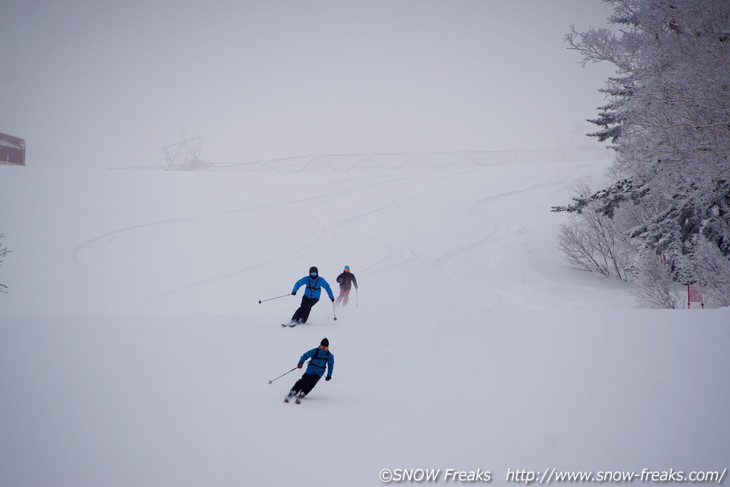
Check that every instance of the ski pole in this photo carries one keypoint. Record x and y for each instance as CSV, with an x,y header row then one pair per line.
x,y
333,310
264,300
282,375
356,303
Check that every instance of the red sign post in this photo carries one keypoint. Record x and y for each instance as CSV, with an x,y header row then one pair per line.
x,y
694,295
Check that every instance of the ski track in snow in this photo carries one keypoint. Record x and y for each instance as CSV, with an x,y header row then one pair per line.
x,y
395,256
490,198
103,240
396,253
326,237
453,262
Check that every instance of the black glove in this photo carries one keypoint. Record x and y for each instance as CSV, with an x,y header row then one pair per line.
x,y
328,378
299,365
333,299
294,293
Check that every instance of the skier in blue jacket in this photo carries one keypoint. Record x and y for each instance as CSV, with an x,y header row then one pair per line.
x,y
321,359
314,284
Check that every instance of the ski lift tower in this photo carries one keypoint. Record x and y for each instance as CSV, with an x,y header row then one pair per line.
x,y
184,155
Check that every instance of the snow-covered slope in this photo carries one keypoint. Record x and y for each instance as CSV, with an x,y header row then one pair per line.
x,y
133,349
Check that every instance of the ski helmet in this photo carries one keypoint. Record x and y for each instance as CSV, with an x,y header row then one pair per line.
x,y
347,268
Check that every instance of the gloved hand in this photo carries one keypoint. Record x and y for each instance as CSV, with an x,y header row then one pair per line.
x,y
294,293
332,299
299,365
328,378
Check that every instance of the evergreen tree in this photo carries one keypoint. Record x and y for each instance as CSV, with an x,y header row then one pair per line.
x,y
668,118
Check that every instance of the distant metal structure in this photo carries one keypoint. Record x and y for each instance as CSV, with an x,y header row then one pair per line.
x,y
185,155
12,150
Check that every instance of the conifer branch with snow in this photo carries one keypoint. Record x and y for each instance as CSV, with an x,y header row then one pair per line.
x,y
668,120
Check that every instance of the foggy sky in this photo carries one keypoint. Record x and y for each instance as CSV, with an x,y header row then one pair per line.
x,y
102,83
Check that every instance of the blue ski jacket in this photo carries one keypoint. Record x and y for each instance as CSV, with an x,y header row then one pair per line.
x,y
314,287
321,359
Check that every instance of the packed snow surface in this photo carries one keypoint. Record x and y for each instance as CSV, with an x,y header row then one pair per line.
x,y
134,350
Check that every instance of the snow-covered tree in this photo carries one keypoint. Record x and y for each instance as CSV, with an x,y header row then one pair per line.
x,y
653,285
591,241
668,118
706,265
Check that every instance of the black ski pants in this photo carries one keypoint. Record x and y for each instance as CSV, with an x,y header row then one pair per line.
x,y
302,313
306,383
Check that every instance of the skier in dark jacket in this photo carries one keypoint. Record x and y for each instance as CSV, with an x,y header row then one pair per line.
x,y
321,359
314,284
347,280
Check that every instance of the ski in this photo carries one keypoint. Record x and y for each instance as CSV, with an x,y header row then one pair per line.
x,y
297,399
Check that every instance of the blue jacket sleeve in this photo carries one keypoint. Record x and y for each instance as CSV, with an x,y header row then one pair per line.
x,y
299,284
326,286
330,364
307,355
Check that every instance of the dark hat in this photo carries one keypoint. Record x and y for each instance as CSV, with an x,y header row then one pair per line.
x,y
313,269
324,342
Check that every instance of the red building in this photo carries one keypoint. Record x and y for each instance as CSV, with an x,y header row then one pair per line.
x,y
12,150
